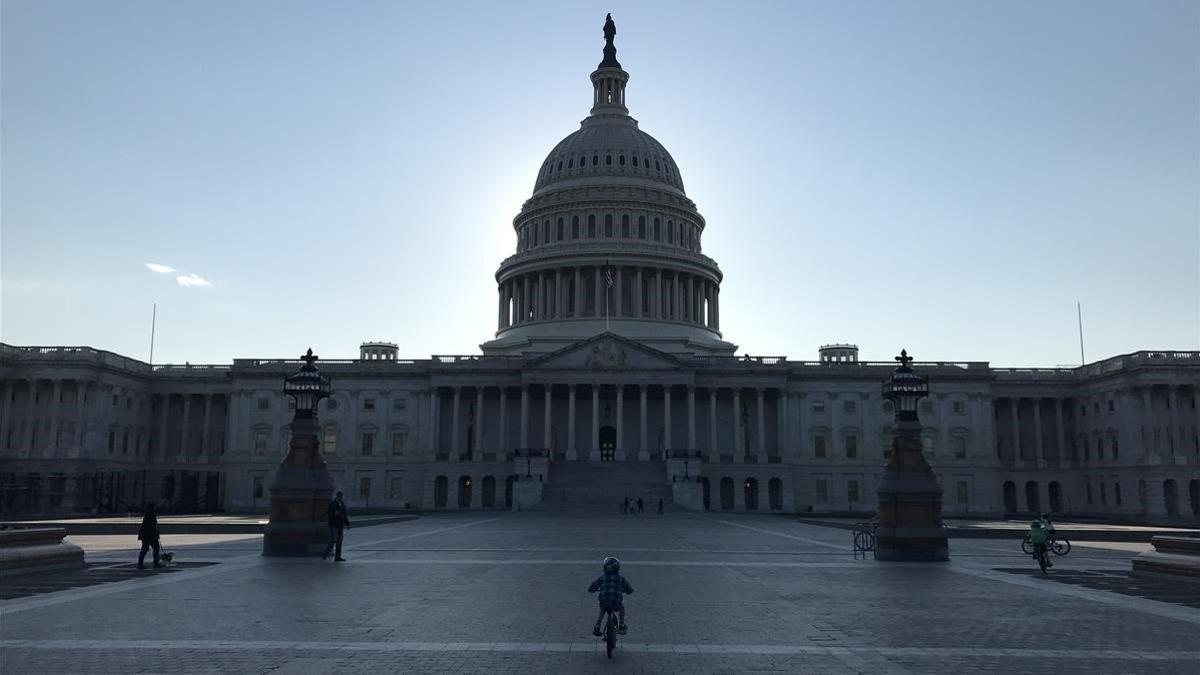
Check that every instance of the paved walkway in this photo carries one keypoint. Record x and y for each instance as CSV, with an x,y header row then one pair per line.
x,y
505,592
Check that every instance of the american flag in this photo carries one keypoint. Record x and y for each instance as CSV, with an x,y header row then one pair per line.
x,y
608,276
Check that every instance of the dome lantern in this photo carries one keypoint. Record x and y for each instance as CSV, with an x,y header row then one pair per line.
x,y
609,79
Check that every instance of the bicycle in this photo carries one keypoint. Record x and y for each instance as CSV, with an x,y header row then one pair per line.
x,y
1055,545
610,631
1040,554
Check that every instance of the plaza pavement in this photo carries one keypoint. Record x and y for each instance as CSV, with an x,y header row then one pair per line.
x,y
499,592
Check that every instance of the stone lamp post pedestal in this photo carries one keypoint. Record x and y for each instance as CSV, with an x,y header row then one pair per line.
x,y
302,487
910,498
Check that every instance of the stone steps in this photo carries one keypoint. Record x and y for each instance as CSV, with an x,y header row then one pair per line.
x,y
603,486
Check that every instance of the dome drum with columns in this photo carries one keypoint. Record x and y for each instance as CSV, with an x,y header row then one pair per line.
x,y
609,241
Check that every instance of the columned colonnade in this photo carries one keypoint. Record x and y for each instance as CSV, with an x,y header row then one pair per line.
x,y
737,420
637,292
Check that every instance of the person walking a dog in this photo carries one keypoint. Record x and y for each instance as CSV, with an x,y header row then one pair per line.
x,y
148,535
338,522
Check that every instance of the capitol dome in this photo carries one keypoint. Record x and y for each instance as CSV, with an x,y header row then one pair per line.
x,y
608,242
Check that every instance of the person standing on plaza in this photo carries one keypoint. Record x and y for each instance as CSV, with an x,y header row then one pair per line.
x,y
641,505
626,507
148,535
339,521
660,505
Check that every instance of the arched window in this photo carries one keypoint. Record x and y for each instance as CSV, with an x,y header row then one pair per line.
x,y
670,232
440,489
595,160
775,494
608,160
641,227
574,227
634,160
535,235
657,232
560,230
608,225
751,496
621,160
582,161
560,165
625,225
591,226
546,232
571,163
657,166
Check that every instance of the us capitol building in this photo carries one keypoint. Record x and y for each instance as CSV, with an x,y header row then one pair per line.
x,y
608,374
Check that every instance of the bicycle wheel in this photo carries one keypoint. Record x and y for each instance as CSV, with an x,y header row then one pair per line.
x,y
1027,546
860,541
610,636
1061,547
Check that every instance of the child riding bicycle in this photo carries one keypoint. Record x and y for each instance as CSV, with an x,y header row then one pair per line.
x,y
1038,536
612,588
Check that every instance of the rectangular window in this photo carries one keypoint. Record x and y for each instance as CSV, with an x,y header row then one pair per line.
x,y
962,491
822,491
329,442
400,403
1096,407
849,406
395,483
368,404
1117,493
1111,405
818,406
260,443
257,491
397,442
368,443
264,403
364,487
960,447
1104,494
958,407
819,446
852,491
1115,449
1088,490
851,447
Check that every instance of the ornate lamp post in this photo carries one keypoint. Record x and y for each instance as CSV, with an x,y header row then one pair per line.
x,y
302,486
910,499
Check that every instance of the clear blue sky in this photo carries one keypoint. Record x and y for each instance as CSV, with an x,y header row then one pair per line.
x,y
950,177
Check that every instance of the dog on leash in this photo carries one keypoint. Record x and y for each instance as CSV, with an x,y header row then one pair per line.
x,y
166,558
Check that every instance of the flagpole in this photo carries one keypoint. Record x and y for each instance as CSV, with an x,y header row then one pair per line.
x,y
153,320
607,291
1079,312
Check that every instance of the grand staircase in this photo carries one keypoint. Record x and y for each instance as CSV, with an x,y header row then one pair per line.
x,y
601,487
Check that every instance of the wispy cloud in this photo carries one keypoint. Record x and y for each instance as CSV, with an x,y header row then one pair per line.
x,y
186,279
191,279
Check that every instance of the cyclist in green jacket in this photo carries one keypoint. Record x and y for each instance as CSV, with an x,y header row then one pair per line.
x,y
1038,536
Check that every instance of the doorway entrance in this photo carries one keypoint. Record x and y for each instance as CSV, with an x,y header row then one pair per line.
x,y
608,444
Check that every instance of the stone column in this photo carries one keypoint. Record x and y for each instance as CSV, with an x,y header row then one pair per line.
x,y
435,428
546,440
594,454
1037,427
455,415
717,306
691,407
667,419
643,448
55,393
618,286
80,410
502,444
620,449
1177,443
185,432
539,311
29,421
163,441
571,452
762,427
739,448
1149,447
578,292
599,292
204,433
1059,405
781,422
713,451
500,308
638,309
656,307
6,413
560,298
478,423
524,417
1014,412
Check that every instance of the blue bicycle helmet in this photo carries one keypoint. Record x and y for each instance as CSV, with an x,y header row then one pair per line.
x,y
611,564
